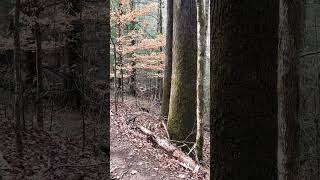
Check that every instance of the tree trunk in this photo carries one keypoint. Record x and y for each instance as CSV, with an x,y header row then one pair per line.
x,y
159,27
108,65
202,15
39,107
244,37
73,46
132,78
115,79
168,61
182,109
18,81
120,56
288,89
309,91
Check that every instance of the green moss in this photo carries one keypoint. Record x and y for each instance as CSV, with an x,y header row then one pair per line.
x,y
199,148
182,113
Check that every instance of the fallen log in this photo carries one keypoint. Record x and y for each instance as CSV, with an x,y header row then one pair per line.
x,y
185,160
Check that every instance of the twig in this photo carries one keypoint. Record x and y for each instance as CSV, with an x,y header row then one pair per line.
x,y
125,172
165,128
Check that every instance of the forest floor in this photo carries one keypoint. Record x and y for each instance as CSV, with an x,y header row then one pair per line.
x,y
58,154
133,157
55,154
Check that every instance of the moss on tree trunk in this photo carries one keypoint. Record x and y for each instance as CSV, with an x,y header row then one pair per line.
x,y
182,109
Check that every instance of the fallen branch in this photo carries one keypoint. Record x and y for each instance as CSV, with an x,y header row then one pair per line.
x,y
185,160
165,128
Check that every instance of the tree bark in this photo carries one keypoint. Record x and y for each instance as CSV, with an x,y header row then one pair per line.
x,y
182,108
166,87
202,15
244,37
37,35
18,80
288,89
309,93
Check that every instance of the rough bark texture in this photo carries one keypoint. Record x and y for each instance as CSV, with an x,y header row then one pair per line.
x,y
168,61
243,89
182,109
288,89
202,15
309,91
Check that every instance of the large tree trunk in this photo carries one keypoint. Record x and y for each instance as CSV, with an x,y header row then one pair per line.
x,y
299,101
309,93
18,80
202,15
182,109
243,89
288,89
168,61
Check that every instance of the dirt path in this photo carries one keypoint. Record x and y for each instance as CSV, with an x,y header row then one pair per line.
x,y
133,157
130,164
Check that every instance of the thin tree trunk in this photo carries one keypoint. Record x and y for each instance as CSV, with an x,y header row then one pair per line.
x,y
39,106
159,80
244,38
83,103
132,78
115,76
18,80
120,57
73,46
202,15
168,61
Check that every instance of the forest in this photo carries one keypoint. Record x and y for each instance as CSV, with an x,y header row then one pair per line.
x,y
159,89
54,84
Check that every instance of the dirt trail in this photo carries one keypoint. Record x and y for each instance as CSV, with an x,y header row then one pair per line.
x,y
129,164
133,157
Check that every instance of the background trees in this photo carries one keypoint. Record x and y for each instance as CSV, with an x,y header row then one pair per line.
x,y
54,92
38,42
136,45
